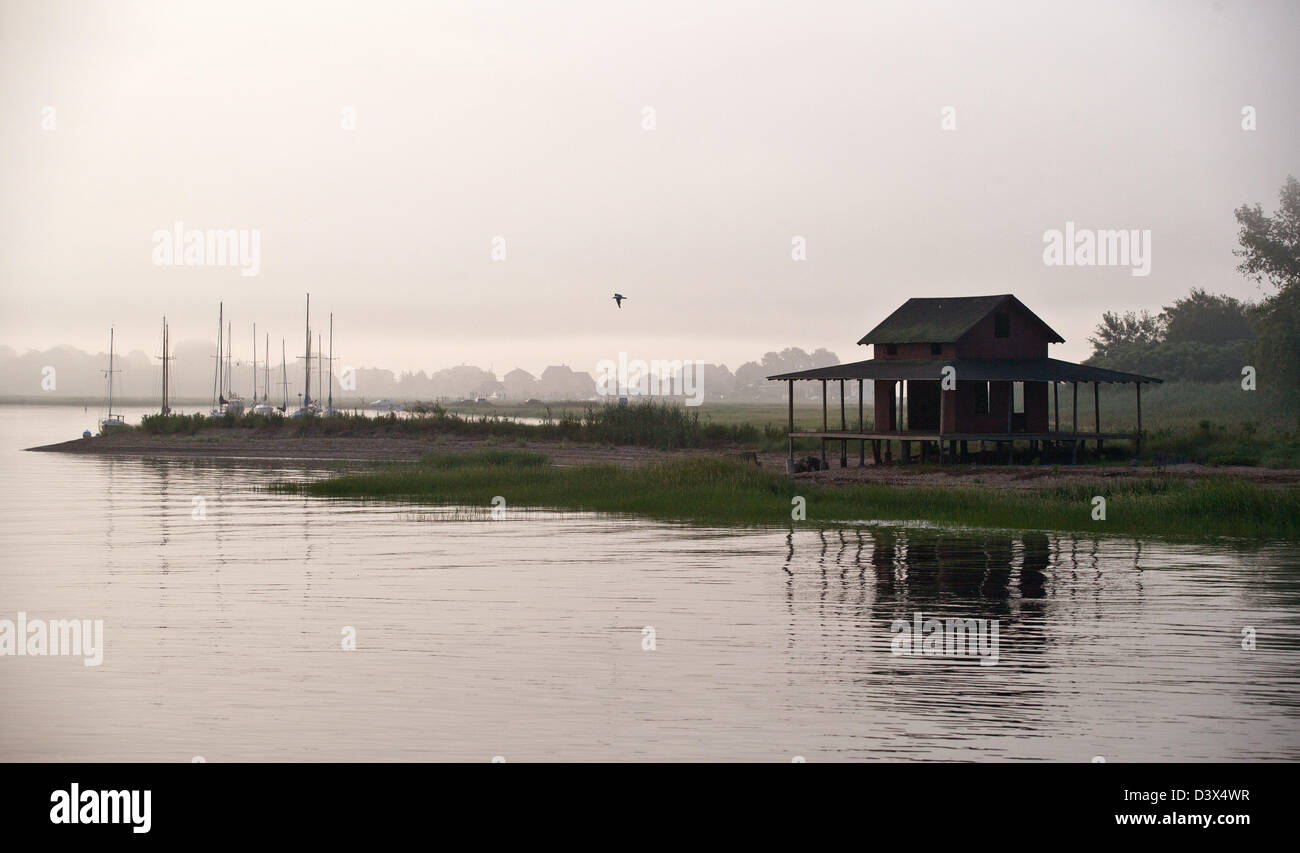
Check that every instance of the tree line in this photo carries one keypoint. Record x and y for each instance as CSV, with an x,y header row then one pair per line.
x,y
1205,337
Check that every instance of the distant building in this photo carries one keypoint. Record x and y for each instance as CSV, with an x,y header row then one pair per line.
x,y
945,373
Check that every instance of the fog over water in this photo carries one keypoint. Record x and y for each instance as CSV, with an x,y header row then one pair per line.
x,y
670,151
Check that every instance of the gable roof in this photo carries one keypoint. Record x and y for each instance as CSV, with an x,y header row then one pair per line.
x,y
943,320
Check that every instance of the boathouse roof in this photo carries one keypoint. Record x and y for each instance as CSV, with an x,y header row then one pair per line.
x,y
969,369
944,319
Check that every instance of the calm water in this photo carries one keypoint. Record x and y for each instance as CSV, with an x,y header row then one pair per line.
x,y
523,637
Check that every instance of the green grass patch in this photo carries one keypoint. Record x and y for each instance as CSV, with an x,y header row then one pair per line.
x,y
724,491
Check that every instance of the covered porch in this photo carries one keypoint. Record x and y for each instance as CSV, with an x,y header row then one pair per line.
x,y
928,405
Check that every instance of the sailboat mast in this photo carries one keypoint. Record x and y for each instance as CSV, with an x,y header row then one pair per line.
x,y
216,376
230,341
266,369
254,362
284,376
165,408
306,380
320,368
110,371
330,404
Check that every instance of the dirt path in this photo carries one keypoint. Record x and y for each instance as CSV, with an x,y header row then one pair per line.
x,y
251,445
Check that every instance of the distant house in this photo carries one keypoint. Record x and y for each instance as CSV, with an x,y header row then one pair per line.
x,y
946,372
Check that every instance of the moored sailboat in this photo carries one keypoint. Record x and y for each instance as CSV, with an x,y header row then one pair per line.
x,y
110,421
306,410
218,399
262,407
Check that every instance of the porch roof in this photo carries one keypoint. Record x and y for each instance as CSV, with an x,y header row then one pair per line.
x,y
968,369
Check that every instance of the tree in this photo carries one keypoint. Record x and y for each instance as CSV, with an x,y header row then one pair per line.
x,y
1270,246
1200,338
1270,250
1119,330
1206,318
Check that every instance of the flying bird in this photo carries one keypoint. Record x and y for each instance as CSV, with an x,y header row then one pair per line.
x,y
618,299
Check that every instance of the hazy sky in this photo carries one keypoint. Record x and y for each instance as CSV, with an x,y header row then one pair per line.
x,y
527,121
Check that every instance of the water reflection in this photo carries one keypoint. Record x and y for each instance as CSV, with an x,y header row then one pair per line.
x,y
910,565
876,575
523,637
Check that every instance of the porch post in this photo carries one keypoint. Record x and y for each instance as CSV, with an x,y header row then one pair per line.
x,y
1074,442
824,424
1096,412
904,448
1056,403
943,400
844,444
790,465
862,442
1011,407
1138,453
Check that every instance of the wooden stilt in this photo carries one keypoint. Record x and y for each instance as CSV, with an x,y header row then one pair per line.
x,y
943,408
824,427
1011,408
790,464
1138,441
1056,403
1096,412
862,442
1074,442
844,426
899,412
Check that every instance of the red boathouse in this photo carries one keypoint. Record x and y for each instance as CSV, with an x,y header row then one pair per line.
x,y
945,373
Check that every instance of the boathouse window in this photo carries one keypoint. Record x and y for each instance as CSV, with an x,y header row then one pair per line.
x,y
891,349
981,398
1002,325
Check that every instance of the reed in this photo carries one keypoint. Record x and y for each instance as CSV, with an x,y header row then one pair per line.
x,y
711,490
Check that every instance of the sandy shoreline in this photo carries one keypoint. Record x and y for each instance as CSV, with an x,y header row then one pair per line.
x,y
384,448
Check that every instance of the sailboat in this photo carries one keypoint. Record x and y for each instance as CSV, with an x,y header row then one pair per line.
x,y
218,398
306,410
262,407
234,403
266,370
284,379
110,421
166,374
329,401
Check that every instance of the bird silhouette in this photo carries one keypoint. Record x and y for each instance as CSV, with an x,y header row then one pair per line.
x,y
618,299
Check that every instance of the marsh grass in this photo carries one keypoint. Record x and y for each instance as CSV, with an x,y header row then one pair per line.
x,y
1217,424
724,491
647,423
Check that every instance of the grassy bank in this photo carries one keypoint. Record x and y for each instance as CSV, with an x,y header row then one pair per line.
x,y
646,424
1207,423
725,491
1184,422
